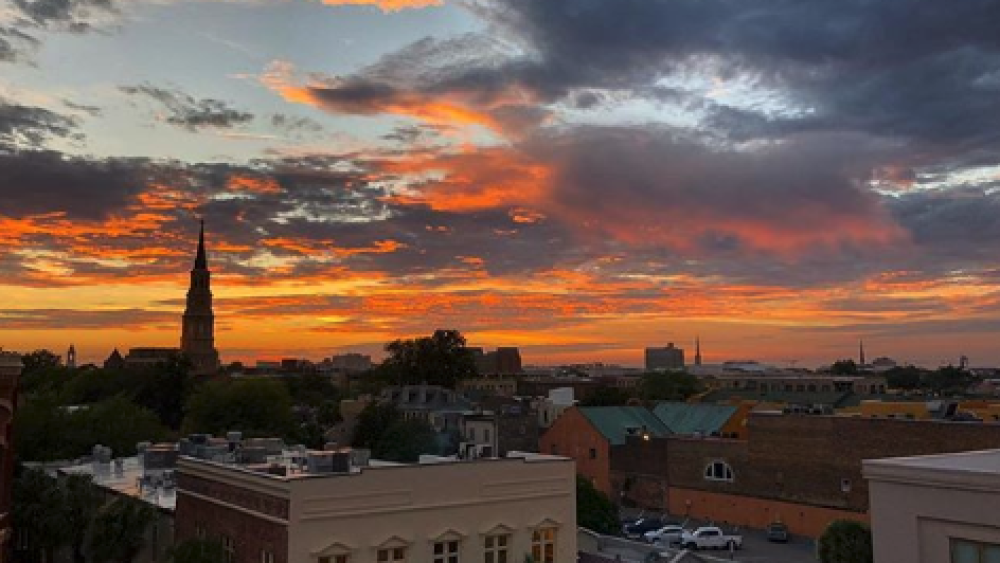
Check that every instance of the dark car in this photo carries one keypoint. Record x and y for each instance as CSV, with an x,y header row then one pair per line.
x,y
639,528
777,532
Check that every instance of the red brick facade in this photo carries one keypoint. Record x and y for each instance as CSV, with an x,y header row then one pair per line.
x,y
247,517
572,435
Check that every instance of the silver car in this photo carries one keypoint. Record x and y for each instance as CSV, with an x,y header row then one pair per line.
x,y
667,535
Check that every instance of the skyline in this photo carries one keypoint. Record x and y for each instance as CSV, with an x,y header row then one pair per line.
x,y
782,179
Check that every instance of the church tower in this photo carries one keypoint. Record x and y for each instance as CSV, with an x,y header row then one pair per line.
x,y
198,327
71,357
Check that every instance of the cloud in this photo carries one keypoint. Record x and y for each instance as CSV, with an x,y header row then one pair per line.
x,y
387,5
30,127
190,113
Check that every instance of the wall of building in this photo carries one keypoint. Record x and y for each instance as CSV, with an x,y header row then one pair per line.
x,y
572,435
413,506
753,512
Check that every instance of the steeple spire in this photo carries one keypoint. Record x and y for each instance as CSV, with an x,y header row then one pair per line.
x,y
861,349
697,350
201,261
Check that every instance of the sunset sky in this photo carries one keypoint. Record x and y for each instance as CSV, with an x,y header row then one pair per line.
x,y
580,178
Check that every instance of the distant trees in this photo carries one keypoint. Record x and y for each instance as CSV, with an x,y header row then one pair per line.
x,y
382,429
845,541
257,407
606,397
668,386
906,378
39,360
118,531
844,367
594,510
440,359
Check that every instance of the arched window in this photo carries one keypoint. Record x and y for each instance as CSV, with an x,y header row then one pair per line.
x,y
719,471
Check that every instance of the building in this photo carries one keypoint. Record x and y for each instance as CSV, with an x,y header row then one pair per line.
x,y
71,357
550,407
350,363
336,508
440,407
588,434
802,470
10,374
147,357
502,361
198,322
937,508
115,361
669,357
489,386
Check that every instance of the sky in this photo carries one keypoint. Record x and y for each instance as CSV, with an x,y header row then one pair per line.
x,y
580,178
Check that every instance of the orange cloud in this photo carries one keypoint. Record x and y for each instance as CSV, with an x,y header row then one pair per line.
x,y
387,5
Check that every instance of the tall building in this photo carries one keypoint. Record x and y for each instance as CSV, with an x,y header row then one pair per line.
x,y
198,328
670,357
10,374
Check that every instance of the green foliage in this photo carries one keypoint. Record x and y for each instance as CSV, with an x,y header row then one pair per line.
x,y
668,386
441,359
594,510
81,501
312,389
46,431
118,530
844,367
39,360
845,541
907,378
202,550
373,421
38,513
607,397
948,380
164,389
405,441
257,407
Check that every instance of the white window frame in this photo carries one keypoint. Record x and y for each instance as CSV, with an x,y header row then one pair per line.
x,y
266,556
451,550
496,548
727,473
392,555
542,538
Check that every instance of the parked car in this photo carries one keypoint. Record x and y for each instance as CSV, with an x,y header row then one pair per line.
x,y
777,532
710,537
639,528
667,535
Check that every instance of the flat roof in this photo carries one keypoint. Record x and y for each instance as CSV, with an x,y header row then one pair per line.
x,y
126,482
975,470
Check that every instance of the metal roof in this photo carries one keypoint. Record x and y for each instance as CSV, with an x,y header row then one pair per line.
x,y
686,418
617,423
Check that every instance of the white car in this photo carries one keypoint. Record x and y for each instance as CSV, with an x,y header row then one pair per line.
x,y
710,537
667,535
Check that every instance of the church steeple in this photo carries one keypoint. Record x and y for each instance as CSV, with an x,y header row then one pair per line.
x,y
861,352
697,350
198,325
201,260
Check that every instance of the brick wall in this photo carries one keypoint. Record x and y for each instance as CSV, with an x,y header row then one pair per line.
x,y
573,436
237,518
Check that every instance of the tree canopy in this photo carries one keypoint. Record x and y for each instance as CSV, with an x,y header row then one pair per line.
x,y
257,407
118,530
845,541
198,550
668,386
844,367
594,510
440,359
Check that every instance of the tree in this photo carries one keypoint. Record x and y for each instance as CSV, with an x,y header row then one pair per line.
x,y
81,501
373,421
844,367
668,386
441,359
311,389
38,360
257,407
948,380
164,389
606,397
405,441
199,550
118,530
39,515
845,541
907,378
594,510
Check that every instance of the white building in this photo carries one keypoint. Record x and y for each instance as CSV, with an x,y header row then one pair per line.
x,y
937,508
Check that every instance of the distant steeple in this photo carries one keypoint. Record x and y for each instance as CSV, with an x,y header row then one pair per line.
x,y
201,260
861,348
697,350
71,357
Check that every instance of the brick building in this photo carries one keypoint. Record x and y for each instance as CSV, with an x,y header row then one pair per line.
x,y
446,510
799,469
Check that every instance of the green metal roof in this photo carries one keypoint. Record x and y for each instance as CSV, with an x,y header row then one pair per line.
x,y
616,423
686,418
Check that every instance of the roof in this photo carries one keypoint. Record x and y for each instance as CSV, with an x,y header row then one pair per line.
x,y
834,399
686,418
974,471
616,423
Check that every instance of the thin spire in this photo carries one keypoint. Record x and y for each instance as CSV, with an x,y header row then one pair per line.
x,y
201,261
861,348
697,350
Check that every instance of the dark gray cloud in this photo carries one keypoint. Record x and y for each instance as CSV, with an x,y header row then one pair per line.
x,y
70,13
14,43
26,127
295,126
191,113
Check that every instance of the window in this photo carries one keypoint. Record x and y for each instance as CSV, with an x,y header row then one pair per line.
x,y
719,471
496,548
967,551
266,556
486,434
229,546
199,531
335,559
593,453
472,434
446,551
543,545
392,555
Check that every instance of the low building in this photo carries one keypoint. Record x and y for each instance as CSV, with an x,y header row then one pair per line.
x,y
668,357
440,407
550,407
489,386
149,356
938,508
331,509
